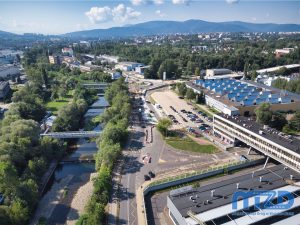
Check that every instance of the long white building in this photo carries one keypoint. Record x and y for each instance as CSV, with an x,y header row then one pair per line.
x,y
283,148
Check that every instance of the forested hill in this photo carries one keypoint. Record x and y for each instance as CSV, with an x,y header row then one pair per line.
x,y
189,26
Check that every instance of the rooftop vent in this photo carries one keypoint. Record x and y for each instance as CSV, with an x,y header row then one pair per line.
x,y
212,193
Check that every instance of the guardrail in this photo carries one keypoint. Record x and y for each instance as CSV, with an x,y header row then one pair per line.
x,y
189,177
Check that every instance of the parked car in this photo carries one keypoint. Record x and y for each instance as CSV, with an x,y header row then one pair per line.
x,y
146,177
183,111
151,174
1,199
180,97
184,119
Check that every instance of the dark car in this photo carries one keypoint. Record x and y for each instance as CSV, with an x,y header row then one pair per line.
x,y
1,199
151,174
183,111
184,119
146,177
181,97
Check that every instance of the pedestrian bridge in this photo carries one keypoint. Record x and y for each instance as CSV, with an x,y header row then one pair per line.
x,y
72,134
95,85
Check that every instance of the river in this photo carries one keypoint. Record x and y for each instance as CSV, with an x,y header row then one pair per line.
x,y
70,187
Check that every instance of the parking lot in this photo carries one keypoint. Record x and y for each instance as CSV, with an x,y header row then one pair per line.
x,y
182,113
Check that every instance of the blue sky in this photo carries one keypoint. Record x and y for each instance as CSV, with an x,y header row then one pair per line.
x,y
57,17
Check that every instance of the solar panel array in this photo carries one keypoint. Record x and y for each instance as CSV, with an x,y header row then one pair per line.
x,y
244,94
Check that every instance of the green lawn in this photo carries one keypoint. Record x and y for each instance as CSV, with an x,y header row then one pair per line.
x,y
187,144
54,106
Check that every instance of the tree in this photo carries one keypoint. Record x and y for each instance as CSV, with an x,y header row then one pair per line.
x,y
278,121
253,75
200,98
263,113
164,125
197,72
19,212
190,94
182,89
169,67
8,178
295,121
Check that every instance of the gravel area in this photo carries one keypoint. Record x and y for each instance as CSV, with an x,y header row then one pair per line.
x,y
80,200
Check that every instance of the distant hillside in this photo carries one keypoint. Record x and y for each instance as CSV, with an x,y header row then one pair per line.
x,y
189,26
6,34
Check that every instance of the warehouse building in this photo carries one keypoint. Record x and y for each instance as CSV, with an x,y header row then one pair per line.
x,y
234,97
240,200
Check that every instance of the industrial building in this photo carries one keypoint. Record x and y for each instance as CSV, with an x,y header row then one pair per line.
x,y
9,70
293,67
239,200
271,142
141,69
216,72
234,97
222,73
128,66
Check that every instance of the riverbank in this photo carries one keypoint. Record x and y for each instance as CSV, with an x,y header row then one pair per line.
x,y
80,200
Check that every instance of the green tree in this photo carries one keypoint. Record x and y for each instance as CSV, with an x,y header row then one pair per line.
x,y
182,89
164,125
169,67
278,121
295,121
197,72
190,94
263,113
19,212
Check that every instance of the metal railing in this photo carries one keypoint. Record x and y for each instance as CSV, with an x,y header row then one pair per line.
x,y
72,134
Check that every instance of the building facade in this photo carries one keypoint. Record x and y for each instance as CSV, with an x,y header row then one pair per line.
x,y
284,149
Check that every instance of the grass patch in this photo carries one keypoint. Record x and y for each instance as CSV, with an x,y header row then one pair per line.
x,y
91,123
187,144
56,105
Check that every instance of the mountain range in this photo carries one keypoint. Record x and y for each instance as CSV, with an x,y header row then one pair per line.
x,y
188,27
175,27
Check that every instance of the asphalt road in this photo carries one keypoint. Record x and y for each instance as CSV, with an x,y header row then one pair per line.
x,y
134,169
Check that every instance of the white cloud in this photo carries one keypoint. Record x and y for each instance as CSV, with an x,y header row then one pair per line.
x,y
137,2
232,1
181,2
145,2
104,14
158,2
160,13
99,14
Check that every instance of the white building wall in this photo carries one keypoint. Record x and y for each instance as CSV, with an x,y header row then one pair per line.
x,y
257,141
